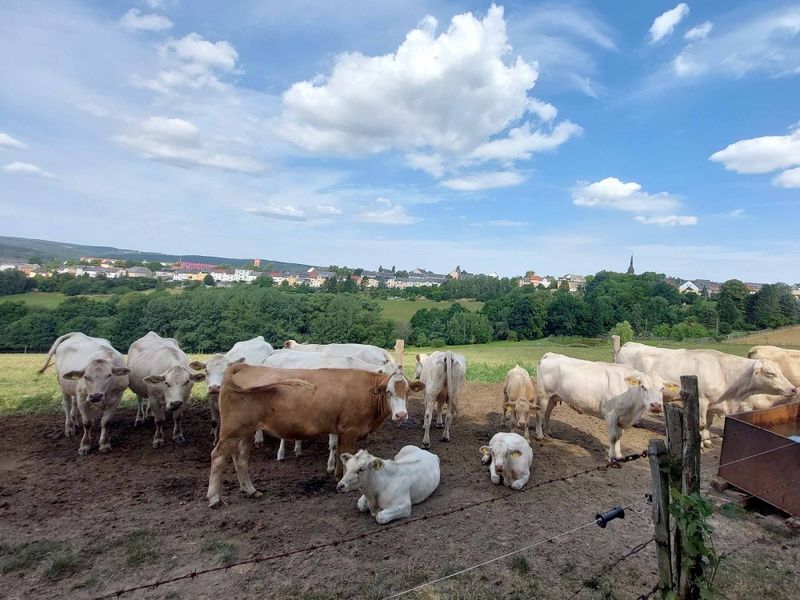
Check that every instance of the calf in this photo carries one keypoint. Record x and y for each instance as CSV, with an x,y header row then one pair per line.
x,y
390,487
300,404
509,457
519,400
421,358
443,374
92,376
616,393
160,373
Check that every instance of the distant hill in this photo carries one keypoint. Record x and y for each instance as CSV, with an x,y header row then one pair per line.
x,y
26,249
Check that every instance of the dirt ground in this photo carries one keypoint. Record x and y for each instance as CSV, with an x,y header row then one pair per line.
x,y
81,527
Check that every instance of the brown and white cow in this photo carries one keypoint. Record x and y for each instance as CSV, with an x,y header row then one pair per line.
x,y
301,404
520,403
160,372
92,376
443,374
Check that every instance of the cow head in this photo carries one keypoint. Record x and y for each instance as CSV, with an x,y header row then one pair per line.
x,y
289,344
98,378
357,470
173,386
395,389
215,369
650,387
767,378
418,367
520,411
501,455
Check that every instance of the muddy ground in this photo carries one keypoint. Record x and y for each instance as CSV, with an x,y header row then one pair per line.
x,y
81,527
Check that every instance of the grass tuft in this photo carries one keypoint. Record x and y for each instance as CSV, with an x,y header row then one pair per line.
x,y
225,552
24,556
520,566
141,548
63,563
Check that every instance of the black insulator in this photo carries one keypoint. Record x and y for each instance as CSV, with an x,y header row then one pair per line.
x,y
615,513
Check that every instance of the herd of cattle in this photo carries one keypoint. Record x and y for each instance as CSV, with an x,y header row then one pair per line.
x,y
347,391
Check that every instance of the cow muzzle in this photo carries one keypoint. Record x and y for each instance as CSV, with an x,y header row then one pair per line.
x,y
400,416
213,389
498,469
96,397
655,407
341,487
174,405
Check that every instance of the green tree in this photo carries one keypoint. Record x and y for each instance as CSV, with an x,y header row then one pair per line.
x,y
623,330
209,280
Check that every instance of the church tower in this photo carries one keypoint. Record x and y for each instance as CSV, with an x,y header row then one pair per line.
x,y
630,268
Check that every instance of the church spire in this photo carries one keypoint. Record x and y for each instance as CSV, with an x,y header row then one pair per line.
x,y
630,268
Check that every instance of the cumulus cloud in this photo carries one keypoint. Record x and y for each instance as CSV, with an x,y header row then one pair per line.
x,y
665,23
21,168
445,100
285,212
178,142
768,43
614,193
788,179
388,213
761,154
667,220
193,63
484,181
135,20
699,32
6,141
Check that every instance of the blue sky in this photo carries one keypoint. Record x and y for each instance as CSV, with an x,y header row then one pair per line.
x,y
560,137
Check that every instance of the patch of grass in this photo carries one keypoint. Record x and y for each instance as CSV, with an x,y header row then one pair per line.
x,y
39,299
519,565
63,563
141,548
224,552
732,510
89,583
24,556
401,310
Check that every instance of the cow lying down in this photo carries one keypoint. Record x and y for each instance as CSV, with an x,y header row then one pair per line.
x,y
509,457
390,487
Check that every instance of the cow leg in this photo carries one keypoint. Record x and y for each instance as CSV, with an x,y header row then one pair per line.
x,y
551,404
614,445
282,450
426,437
362,504
398,511
439,422
493,475
518,484
298,447
213,407
448,418
347,443
177,429
69,419
705,423
242,461
258,439
333,443
159,417
86,418
105,446
219,455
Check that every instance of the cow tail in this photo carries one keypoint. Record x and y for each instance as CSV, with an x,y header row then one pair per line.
x,y
448,367
615,346
53,349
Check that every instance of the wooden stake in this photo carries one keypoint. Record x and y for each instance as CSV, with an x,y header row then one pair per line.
x,y
674,416
399,348
659,462
691,570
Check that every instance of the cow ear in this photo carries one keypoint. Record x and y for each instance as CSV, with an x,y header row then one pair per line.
x,y
633,381
381,387
72,375
154,379
416,386
485,450
120,371
197,376
239,361
197,365
516,453
345,456
377,464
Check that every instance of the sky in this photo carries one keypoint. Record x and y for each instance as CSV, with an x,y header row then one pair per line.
x,y
560,137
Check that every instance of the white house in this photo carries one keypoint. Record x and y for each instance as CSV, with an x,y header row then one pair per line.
x,y
688,286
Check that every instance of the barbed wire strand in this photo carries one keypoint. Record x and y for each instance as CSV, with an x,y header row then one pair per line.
x,y
611,565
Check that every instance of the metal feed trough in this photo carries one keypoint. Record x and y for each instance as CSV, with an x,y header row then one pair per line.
x,y
772,438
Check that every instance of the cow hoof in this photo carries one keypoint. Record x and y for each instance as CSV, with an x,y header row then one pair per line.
x,y
254,494
105,448
614,464
179,439
439,425
158,443
426,444
138,422
445,439
84,450
258,444
495,479
214,502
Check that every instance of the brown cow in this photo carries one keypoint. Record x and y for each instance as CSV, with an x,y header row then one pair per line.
x,y
300,404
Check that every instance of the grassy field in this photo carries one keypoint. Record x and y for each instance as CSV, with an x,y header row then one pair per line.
x,y
22,390
402,310
785,336
43,299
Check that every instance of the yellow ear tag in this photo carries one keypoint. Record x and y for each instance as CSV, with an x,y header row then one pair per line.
x,y
377,465
485,450
632,381
516,453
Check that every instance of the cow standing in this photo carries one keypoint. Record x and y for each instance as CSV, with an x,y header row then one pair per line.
x,y
92,376
520,402
615,393
160,373
300,404
443,375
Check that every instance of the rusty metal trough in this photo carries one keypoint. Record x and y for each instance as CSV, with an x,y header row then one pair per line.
x,y
773,472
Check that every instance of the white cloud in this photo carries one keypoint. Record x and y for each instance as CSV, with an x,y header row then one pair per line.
x,y
788,179
613,193
21,168
6,141
484,181
761,154
388,214
665,23
135,20
328,210
667,220
178,142
767,42
446,100
285,212
193,63
699,32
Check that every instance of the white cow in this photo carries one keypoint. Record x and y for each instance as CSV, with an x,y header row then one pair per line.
x,y
509,456
520,402
367,353
421,358
390,487
616,393
724,381
443,374
160,373
789,363
252,352
92,376
291,359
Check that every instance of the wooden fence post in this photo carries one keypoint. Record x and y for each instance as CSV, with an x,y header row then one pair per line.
x,y
659,462
691,570
675,452
399,348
